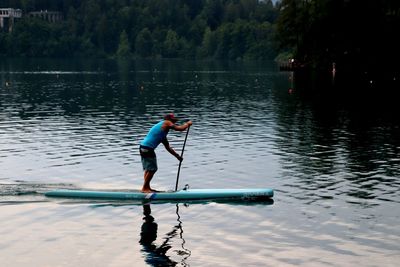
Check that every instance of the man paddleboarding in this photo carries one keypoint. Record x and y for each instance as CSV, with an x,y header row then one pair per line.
x,y
158,134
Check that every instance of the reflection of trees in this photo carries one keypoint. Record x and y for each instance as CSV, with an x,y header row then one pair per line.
x,y
157,255
322,143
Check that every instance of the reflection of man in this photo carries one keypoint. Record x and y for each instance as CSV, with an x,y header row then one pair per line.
x,y
149,227
155,256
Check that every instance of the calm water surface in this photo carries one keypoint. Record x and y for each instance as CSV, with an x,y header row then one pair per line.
x,y
77,124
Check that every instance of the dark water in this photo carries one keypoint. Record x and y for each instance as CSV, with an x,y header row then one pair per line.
x,y
77,124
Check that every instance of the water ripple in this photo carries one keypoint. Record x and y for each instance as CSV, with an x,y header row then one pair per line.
x,y
334,169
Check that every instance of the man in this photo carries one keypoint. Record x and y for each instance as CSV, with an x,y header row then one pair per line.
x,y
158,134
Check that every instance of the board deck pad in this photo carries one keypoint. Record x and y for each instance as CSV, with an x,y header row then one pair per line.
x,y
188,194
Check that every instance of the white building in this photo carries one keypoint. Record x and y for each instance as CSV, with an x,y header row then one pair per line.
x,y
7,16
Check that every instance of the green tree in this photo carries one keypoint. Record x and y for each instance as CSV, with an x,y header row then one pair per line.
x,y
4,43
213,13
224,41
288,25
171,44
124,50
209,44
73,22
144,43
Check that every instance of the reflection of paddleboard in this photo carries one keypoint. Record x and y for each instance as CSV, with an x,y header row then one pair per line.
x,y
188,194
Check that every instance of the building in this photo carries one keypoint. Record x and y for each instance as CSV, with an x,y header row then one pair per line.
x,y
8,16
50,16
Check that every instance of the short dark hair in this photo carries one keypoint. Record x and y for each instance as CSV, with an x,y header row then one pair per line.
x,y
170,117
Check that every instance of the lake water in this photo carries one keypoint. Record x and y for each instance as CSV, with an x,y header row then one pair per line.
x,y
77,124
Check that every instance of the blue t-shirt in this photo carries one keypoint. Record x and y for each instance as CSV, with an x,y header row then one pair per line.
x,y
155,136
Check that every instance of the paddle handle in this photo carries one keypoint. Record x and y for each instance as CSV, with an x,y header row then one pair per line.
x,y
180,162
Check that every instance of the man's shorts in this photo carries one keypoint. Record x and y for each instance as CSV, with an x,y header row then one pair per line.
x,y
149,159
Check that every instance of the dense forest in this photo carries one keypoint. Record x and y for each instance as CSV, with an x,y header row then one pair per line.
x,y
218,29
359,37
354,36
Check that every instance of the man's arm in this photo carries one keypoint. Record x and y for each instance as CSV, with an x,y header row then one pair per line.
x,y
180,128
171,150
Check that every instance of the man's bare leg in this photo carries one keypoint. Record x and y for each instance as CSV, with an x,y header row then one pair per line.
x,y
148,175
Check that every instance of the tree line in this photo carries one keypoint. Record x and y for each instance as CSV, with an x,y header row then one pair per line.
x,y
358,36
355,35
217,29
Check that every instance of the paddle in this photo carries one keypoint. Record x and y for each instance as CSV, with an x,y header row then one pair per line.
x,y
180,162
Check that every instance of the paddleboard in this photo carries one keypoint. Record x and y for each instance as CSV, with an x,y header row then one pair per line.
x,y
184,194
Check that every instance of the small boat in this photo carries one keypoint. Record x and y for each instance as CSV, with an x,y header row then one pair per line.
x,y
184,194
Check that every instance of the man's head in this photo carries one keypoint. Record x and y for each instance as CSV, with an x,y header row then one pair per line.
x,y
170,117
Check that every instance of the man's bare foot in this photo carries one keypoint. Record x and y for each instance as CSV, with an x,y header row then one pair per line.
x,y
149,190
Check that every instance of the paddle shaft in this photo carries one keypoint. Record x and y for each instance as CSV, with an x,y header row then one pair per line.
x,y
180,162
